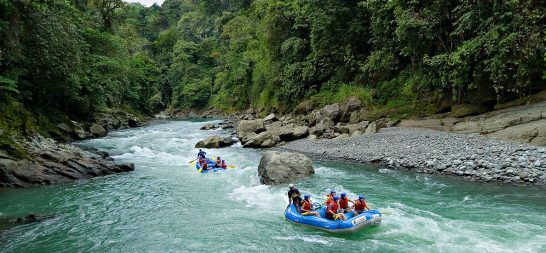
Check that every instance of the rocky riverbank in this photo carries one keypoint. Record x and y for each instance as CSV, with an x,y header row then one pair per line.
x,y
49,162
474,157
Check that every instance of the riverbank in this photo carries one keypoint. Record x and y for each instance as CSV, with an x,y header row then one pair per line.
x,y
473,157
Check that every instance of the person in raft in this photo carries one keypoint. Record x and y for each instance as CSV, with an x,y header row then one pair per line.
x,y
201,154
294,197
218,163
224,165
203,163
360,205
330,196
306,206
344,203
332,208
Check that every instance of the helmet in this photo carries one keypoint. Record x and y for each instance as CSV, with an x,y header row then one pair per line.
x,y
333,191
291,186
307,196
343,194
200,150
336,198
223,161
361,196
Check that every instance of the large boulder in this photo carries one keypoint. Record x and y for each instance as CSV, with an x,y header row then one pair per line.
x,y
283,167
270,118
261,140
294,133
332,111
351,105
79,132
371,129
324,125
97,130
214,142
246,127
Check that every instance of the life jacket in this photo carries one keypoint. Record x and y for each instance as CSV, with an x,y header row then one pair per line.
x,y
306,206
344,203
224,166
205,166
360,205
332,206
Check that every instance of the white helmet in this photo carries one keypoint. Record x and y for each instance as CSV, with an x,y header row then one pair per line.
x,y
290,185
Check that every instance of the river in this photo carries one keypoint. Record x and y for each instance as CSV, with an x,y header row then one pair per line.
x,y
166,206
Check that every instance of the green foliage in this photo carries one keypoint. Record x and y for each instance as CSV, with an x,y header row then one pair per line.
x,y
269,54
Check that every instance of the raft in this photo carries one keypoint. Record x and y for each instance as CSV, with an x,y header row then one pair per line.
x,y
210,166
366,219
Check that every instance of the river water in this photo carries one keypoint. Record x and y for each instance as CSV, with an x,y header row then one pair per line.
x,y
166,206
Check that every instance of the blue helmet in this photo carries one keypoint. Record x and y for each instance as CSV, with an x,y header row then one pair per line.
x,y
200,150
361,196
333,191
307,196
336,198
343,194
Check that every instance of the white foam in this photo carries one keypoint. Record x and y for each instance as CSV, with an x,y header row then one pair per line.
x,y
308,239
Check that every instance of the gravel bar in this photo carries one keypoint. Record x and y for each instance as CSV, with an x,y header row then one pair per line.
x,y
474,157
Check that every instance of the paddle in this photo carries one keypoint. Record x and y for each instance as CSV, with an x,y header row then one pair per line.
x,y
193,160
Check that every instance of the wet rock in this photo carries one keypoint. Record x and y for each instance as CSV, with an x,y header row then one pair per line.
x,y
214,142
283,167
97,130
208,127
133,123
50,162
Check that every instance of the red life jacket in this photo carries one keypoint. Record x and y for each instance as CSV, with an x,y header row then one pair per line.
x,y
205,166
344,203
332,207
306,205
224,166
360,205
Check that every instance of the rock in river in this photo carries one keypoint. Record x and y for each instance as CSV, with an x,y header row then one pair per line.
x,y
214,142
282,167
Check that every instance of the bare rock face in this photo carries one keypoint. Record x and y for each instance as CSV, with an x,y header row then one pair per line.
x,y
49,162
283,167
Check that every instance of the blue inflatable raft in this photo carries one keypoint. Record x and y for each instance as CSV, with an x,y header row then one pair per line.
x,y
366,219
210,167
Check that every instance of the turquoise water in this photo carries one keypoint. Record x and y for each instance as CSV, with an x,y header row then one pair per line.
x,y
166,206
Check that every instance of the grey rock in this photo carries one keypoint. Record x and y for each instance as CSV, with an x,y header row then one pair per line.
x,y
283,167
371,129
97,130
208,127
246,127
215,142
